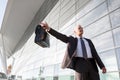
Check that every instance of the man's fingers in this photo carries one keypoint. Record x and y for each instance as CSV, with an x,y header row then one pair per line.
x,y
42,24
103,70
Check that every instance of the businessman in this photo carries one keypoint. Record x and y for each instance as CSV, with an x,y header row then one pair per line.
x,y
81,55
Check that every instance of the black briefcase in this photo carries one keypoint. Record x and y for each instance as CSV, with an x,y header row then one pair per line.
x,y
41,37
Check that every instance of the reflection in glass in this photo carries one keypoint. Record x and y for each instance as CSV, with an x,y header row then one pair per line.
x,y
94,15
48,71
110,76
115,18
118,57
91,5
116,33
109,59
103,42
98,27
113,4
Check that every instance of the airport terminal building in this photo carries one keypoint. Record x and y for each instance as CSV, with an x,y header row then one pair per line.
x,y
100,20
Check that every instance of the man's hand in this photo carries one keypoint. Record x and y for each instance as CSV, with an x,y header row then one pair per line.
x,y
45,26
103,70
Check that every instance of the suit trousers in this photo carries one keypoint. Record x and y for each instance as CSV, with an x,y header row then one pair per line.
x,y
88,73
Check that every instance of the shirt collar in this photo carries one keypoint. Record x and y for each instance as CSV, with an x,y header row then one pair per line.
x,y
79,37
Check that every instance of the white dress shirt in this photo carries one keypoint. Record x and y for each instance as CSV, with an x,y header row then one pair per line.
x,y
79,48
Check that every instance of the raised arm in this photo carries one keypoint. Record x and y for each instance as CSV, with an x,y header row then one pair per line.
x,y
56,34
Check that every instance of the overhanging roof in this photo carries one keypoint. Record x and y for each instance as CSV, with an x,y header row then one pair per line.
x,y
18,22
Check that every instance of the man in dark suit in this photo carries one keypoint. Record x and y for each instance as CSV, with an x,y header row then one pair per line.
x,y
80,55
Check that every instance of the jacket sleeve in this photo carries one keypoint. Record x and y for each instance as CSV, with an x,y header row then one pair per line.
x,y
96,56
58,35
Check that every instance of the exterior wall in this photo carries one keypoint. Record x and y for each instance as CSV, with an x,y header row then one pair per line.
x,y
101,22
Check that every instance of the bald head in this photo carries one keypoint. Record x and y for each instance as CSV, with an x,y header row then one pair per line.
x,y
78,30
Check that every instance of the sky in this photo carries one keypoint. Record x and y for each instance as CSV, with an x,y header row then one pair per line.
x,y
2,10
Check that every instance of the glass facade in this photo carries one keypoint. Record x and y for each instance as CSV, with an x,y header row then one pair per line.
x,y
101,22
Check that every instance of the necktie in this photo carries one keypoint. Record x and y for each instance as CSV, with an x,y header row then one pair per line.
x,y
83,48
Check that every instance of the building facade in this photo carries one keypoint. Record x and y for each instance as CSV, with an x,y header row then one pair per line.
x,y
100,20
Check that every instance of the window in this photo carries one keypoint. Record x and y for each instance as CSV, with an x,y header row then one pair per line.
x,y
116,33
98,27
109,59
115,18
103,42
118,57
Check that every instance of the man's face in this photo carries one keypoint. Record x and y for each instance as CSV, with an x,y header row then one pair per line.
x,y
79,30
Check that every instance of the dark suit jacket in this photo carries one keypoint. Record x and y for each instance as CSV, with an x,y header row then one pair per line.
x,y
68,61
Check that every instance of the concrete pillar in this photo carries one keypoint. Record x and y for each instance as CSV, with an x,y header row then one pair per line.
x,y
3,57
